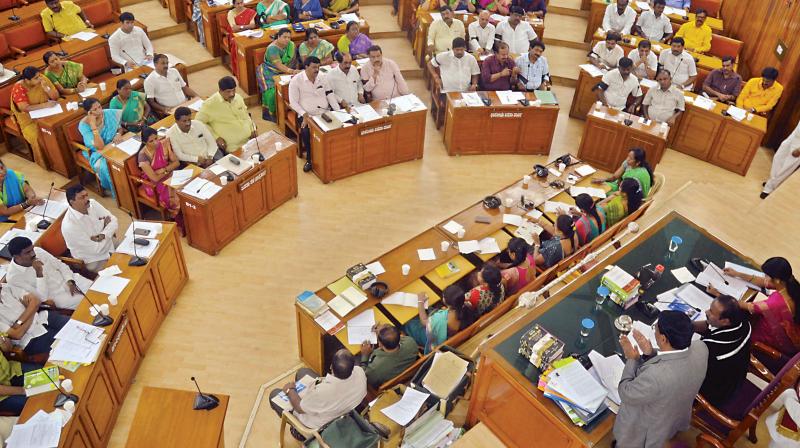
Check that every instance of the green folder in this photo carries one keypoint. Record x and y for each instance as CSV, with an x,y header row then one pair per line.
x,y
545,96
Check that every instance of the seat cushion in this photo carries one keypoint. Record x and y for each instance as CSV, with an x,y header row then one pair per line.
x,y
736,407
99,13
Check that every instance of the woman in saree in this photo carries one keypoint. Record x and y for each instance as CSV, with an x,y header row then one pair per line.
x,y
33,91
501,7
590,220
239,19
307,10
99,129
564,241
431,330
635,166
517,264
134,107
314,46
278,60
354,42
157,161
335,8
67,76
16,194
621,203
272,12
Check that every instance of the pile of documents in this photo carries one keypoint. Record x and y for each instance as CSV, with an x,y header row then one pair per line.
x,y
509,97
408,103
574,390
360,328
180,177
472,99
77,342
347,301
201,188
593,192
446,373
43,430
431,429
365,112
608,371
130,146
407,408
713,276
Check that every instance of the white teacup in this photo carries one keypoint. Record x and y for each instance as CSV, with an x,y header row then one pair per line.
x,y
406,269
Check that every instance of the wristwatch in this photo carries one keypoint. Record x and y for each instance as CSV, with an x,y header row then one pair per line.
x,y
18,323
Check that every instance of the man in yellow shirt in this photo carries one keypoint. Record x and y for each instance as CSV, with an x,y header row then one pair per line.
x,y
226,116
760,95
697,35
61,19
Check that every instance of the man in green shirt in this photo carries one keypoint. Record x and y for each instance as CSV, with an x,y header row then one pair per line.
x,y
225,114
393,355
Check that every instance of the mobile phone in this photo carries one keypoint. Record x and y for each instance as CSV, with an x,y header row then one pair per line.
x,y
483,219
141,232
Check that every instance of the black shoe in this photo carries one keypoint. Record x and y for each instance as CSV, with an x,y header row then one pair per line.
x,y
763,184
763,195
307,167
299,437
266,116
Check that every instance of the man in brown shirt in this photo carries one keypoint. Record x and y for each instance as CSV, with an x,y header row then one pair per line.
x,y
723,84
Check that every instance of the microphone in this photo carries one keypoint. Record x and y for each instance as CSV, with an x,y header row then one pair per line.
x,y
130,57
136,260
719,273
101,320
204,401
13,17
255,131
44,223
392,106
60,53
62,396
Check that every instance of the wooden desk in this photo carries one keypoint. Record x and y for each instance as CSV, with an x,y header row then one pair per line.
x,y
211,26
598,9
607,141
249,58
103,385
478,437
32,12
177,10
209,223
704,62
403,314
164,417
51,239
420,46
499,128
366,146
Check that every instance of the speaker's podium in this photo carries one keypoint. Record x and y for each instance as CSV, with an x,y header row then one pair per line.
x,y
166,418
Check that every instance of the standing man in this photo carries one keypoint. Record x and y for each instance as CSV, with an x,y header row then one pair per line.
x,y
534,73
658,387
455,70
226,116
723,84
645,62
617,85
382,77
61,19
696,34
164,87
498,71
517,33
191,140
619,18
345,81
654,25
679,64
606,54
760,95
310,95
442,32
784,163
481,34
88,229
666,103
129,45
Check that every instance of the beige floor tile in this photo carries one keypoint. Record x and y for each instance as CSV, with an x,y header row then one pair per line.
x,y
571,4
379,18
564,61
563,27
184,46
151,14
399,50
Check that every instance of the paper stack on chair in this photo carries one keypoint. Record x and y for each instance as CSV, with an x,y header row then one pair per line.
x,y
429,430
575,390
43,430
446,372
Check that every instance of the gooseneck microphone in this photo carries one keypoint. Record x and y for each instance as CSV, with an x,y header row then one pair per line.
x,y
13,17
204,401
255,131
136,260
101,320
62,396
44,223
61,53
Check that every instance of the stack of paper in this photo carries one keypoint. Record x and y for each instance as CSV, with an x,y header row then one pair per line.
x,y
349,17
736,113
489,246
509,97
79,332
376,268
683,275
84,36
126,247
88,92
471,99
407,103
201,188
110,284
130,146
609,370
46,111
78,342
725,284
407,408
704,103
180,177
13,233
555,206
578,393
446,372
359,328
43,430
469,246
426,254
51,209
365,113
747,271
195,106
593,192
592,70
453,227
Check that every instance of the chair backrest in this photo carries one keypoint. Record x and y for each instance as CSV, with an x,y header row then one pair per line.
x,y
5,97
95,61
99,13
222,22
72,132
698,82
8,4
5,49
53,241
27,35
725,46
787,377
258,55
658,182
132,167
712,7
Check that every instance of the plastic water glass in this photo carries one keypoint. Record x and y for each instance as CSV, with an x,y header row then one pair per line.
x,y
587,325
602,294
67,385
406,269
674,243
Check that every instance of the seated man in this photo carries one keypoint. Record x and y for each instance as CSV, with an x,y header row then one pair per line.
x,y
481,34
34,269
726,332
88,229
665,103
346,81
442,32
394,354
455,70
605,55
310,95
63,18
382,77
534,73
723,84
696,34
619,18
129,45
760,95
329,397
654,25
515,32
29,329
617,85
334,8
12,392
498,71
645,61
191,140
680,4
536,7
658,387
680,64
225,114
165,88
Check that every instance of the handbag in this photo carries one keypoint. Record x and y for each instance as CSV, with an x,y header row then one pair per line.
x,y
348,431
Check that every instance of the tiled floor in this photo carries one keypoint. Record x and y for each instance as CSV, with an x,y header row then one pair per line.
x,y
564,61
399,50
183,44
572,4
563,27
379,18
150,13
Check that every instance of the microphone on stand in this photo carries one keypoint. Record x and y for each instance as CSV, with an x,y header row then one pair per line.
x,y
204,401
136,260
44,223
62,396
13,17
101,320
135,64
255,131
60,53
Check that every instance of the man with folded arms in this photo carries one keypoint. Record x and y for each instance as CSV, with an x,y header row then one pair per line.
x,y
29,329
393,355
88,229
310,95
723,84
665,103
606,54
455,70
191,139
61,19
617,85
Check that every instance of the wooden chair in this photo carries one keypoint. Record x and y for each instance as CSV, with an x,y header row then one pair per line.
x,y
308,433
765,361
712,7
97,63
7,51
10,126
438,102
740,415
191,27
86,172
136,181
100,13
225,33
27,36
658,182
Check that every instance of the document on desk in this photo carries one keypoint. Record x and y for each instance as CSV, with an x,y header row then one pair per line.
x,y
714,276
46,111
366,113
577,385
79,332
88,92
609,369
40,431
471,99
111,270
126,247
498,17
509,97
705,103
145,229
555,206
327,320
453,227
407,408
180,177
489,246
51,208
130,146
747,271
359,328
649,83
349,17
677,11
408,103
593,192
85,36
436,16
469,246
8,236
110,284
376,268
201,188
426,254
7,74
736,113
683,275
68,351
195,106
591,70
401,298
514,220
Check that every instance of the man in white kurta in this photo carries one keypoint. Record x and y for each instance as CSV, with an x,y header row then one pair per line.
x,y
129,45
34,269
785,162
88,229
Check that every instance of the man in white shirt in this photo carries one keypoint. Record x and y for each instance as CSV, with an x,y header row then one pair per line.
x,y
165,88
442,32
617,85
654,25
619,17
645,62
129,45
29,329
481,34
34,269
517,33
309,95
785,162
455,70
88,229
606,54
679,64
665,103
346,81
191,140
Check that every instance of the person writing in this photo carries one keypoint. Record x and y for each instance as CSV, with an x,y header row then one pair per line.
x,y
442,31
382,77
129,45
679,64
394,354
134,107
67,76
225,114
634,166
310,95
723,84
165,87
564,241
617,85
696,34
191,140
63,18
32,92
88,229
432,330
664,104
760,95
455,70
100,128
16,194
499,72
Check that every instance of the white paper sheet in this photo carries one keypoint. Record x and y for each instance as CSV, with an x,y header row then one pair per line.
x,y
646,330
349,17
609,369
683,275
644,6
407,408
69,351
359,328
578,386
704,103
84,36
39,432
180,177
7,74
649,83
469,246
736,113
79,332
46,111
554,206
88,92
535,214
436,16
153,229
585,170
366,113
471,99
403,299
426,254
509,97
695,297
126,247
376,268
111,270
130,146
453,227
201,188
489,246
407,103
327,320
747,271
514,220
111,285
498,17
33,236
51,209
593,192
714,276
592,70
195,106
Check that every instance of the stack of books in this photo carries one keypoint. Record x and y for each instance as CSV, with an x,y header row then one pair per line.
x,y
540,347
430,430
574,390
623,286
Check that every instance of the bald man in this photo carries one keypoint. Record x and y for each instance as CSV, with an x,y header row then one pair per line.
x,y
480,34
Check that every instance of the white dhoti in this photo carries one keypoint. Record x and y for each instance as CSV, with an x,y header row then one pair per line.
x,y
784,163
